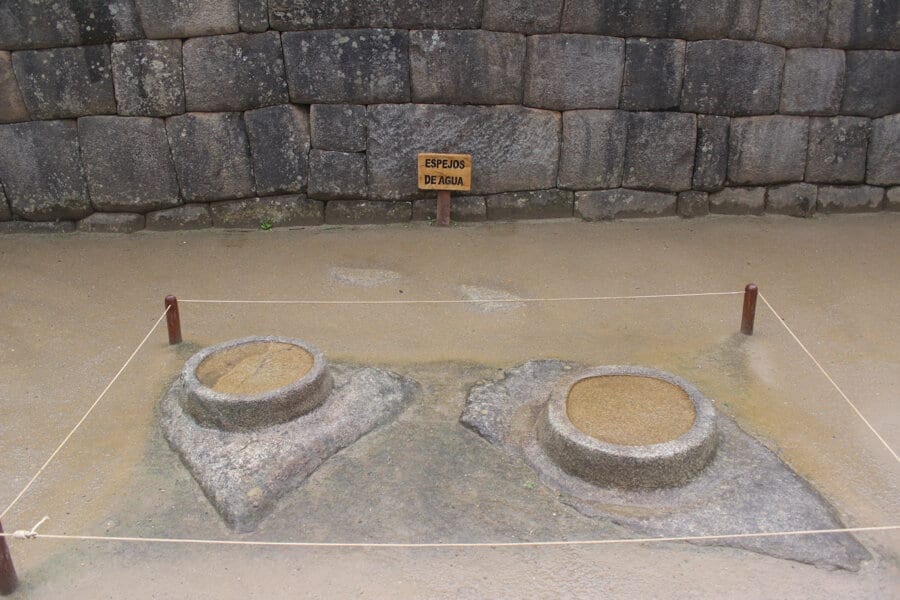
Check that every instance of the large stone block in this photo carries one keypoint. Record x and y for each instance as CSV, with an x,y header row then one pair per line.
x,y
361,212
593,149
767,149
187,18
604,205
111,223
732,78
813,81
288,15
37,227
711,159
529,140
274,211
128,164
864,24
792,23
738,201
363,66
837,150
65,82
794,199
148,80
713,19
523,16
279,147
234,72
884,152
466,67
540,204
338,127
850,199
40,167
253,15
462,209
892,199
337,175
212,156
872,86
653,70
566,71
189,216
659,154
692,204
12,106
44,24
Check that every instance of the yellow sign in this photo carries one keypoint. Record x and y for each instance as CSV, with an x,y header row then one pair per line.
x,y
445,172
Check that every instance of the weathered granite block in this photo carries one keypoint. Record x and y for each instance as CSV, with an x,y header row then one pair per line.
x,y
147,76
863,24
111,223
849,199
732,78
43,24
187,18
659,153
653,70
338,127
12,107
337,175
711,159
128,164
362,66
398,133
65,82
462,209
884,152
466,67
767,149
5,211
37,227
361,212
738,201
692,204
234,72
872,86
40,167
837,150
794,199
253,15
522,16
279,148
540,204
792,23
604,205
813,81
189,216
273,211
892,199
713,19
211,154
566,71
288,15
593,149
102,21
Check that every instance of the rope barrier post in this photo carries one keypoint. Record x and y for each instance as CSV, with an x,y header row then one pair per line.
x,y
8,579
442,214
173,320
748,316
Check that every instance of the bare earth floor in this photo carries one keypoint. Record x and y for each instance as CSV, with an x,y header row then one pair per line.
x,y
75,307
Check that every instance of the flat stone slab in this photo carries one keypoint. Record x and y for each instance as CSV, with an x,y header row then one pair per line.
x,y
744,489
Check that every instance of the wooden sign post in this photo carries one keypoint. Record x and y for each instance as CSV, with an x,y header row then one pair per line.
x,y
445,173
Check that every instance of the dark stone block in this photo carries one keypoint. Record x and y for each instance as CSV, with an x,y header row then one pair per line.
x,y
12,107
148,79
621,18
43,24
338,127
522,16
593,149
37,227
884,152
462,209
813,81
540,204
187,18
234,72
732,78
111,223
713,19
288,15
659,154
692,204
363,66
101,21
65,82
40,167
850,199
794,199
5,211
189,216
792,23
604,205
738,201
211,154
864,24
128,164
274,211
767,149
872,87
711,159
653,70
337,175
279,147
566,71
892,199
361,212
837,150
253,15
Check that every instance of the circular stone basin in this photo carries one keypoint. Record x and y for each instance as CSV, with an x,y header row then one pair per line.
x,y
254,382
629,427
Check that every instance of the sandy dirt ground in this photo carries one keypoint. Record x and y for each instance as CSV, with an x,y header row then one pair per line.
x,y
76,306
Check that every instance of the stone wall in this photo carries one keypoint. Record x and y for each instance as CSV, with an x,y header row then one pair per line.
x,y
123,114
